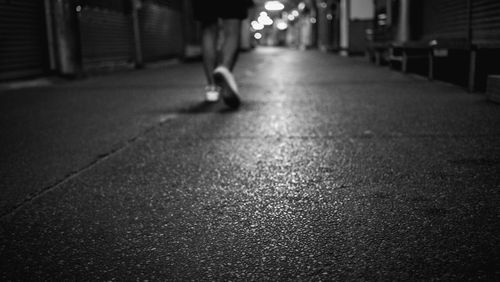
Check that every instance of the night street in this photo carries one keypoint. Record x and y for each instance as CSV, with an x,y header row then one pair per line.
x,y
332,169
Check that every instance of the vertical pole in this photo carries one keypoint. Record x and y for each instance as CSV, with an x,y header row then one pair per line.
x,y
315,23
431,64
138,58
472,70
344,27
50,35
388,11
472,51
404,21
322,25
404,62
67,37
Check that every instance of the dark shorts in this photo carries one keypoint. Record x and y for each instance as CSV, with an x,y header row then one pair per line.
x,y
212,10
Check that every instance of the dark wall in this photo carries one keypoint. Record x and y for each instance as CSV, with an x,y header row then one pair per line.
x,y
357,37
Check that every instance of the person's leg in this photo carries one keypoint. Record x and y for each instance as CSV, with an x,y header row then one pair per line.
x,y
209,49
231,44
223,73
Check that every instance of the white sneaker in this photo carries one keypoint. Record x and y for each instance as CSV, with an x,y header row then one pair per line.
x,y
211,93
229,89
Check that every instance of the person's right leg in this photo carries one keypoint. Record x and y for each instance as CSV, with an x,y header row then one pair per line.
x,y
223,73
231,45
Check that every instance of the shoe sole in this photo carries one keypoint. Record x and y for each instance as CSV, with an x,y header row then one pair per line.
x,y
229,96
212,97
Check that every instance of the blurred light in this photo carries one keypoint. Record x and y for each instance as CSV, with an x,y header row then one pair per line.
x,y
274,6
264,14
382,16
265,20
323,5
329,17
291,18
302,6
313,20
295,13
281,25
257,35
257,26
78,8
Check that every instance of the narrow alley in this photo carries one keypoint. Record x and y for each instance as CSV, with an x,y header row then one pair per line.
x,y
332,169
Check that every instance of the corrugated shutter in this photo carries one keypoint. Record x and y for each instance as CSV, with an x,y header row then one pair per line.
x,y
161,31
23,45
445,18
106,37
486,20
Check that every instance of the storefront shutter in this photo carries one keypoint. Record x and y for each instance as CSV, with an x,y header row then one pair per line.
x,y
23,45
445,18
161,26
106,37
485,20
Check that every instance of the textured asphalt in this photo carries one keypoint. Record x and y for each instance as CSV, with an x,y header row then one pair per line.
x,y
333,169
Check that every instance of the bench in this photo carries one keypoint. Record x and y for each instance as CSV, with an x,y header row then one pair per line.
x,y
404,52
478,47
441,47
433,50
493,89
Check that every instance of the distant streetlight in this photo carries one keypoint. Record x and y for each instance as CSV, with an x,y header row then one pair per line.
x,y
257,26
264,19
274,6
281,25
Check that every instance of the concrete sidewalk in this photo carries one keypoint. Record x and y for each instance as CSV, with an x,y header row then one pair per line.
x,y
51,133
332,169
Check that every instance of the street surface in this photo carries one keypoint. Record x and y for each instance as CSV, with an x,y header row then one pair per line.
x,y
332,169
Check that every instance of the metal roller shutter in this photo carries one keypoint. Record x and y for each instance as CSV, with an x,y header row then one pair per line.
x,y
106,37
485,25
486,20
161,30
23,45
445,18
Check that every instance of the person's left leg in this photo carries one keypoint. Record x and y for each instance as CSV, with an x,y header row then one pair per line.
x,y
209,52
209,49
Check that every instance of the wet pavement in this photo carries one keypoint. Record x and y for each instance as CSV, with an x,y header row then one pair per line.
x,y
333,169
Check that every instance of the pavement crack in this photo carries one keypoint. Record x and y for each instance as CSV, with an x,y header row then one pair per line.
x,y
100,158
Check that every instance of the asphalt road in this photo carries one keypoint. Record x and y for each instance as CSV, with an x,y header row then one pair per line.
x,y
333,169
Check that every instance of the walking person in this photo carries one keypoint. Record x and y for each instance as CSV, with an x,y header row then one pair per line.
x,y
219,64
